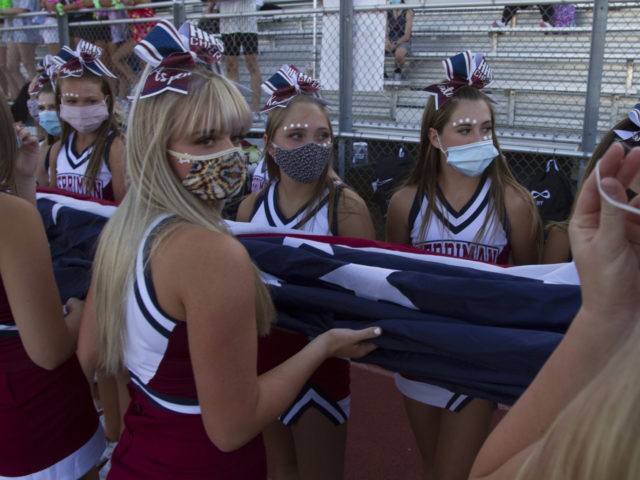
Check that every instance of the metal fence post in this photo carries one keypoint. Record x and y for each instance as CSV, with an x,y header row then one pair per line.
x,y
179,15
345,99
594,81
63,30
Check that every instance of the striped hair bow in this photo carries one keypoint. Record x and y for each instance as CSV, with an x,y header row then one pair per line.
x,y
634,136
46,71
73,63
461,70
173,54
286,84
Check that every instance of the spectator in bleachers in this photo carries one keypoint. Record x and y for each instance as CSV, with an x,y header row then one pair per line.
x,y
546,11
398,37
21,44
461,200
240,33
626,132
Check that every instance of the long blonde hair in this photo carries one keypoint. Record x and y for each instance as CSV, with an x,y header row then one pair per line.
x,y
424,176
596,435
212,103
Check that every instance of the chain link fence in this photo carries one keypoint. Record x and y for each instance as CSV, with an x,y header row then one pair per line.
x,y
557,90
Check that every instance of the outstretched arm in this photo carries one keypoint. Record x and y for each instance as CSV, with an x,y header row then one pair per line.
x,y
605,242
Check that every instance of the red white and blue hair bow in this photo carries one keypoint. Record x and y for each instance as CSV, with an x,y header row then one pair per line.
x,y
73,63
173,54
461,70
634,136
286,84
46,72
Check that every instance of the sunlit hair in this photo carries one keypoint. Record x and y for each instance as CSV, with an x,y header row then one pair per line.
x,y
102,133
8,147
596,434
212,103
424,176
327,180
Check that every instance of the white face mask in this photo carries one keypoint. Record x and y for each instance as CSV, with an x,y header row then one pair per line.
x,y
608,199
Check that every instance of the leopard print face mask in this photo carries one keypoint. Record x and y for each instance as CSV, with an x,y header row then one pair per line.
x,y
214,177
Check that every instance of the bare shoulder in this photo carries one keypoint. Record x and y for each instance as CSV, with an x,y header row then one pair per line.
x,y
403,198
246,207
517,200
17,212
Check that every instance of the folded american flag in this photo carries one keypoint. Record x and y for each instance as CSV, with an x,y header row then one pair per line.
x,y
475,328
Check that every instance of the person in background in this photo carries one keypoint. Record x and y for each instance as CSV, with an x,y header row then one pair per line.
x,y
546,11
48,425
460,200
308,440
398,36
240,33
21,44
89,157
174,298
578,419
627,132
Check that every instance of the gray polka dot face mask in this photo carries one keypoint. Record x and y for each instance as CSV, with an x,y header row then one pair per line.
x,y
303,164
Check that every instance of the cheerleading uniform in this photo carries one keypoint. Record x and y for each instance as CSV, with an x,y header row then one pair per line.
x,y
71,167
164,437
455,233
49,427
328,388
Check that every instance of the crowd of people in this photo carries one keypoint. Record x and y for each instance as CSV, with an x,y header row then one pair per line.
x,y
175,339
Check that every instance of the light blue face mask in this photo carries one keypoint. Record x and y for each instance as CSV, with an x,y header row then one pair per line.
x,y
473,158
394,2
50,122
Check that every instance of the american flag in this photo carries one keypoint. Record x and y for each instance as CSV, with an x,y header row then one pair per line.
x,y
475,328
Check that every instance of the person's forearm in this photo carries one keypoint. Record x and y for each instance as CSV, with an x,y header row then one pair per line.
x,y
26,188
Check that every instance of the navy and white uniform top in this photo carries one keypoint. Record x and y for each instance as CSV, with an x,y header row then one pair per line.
x,y
71,167
454,233
267,212
156,350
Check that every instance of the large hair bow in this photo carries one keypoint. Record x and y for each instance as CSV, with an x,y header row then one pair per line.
x,y
174,54
72,63
46,71
287,83
461,70
634,136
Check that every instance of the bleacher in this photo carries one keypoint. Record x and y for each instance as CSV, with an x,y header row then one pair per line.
x,y
540,76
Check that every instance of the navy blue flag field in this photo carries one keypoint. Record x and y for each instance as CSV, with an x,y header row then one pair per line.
x,y
475,328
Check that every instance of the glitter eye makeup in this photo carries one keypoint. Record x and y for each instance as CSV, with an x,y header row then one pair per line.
x,y
295,125
71,95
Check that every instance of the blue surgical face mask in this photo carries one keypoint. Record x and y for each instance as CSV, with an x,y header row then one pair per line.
x,y
50,122
394,2
473,158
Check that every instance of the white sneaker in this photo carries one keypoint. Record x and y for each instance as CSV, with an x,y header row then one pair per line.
x,y
499,24
544,24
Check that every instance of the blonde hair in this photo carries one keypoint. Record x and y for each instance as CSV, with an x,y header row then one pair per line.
x,y
424,175
212,103
596,435
8,147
